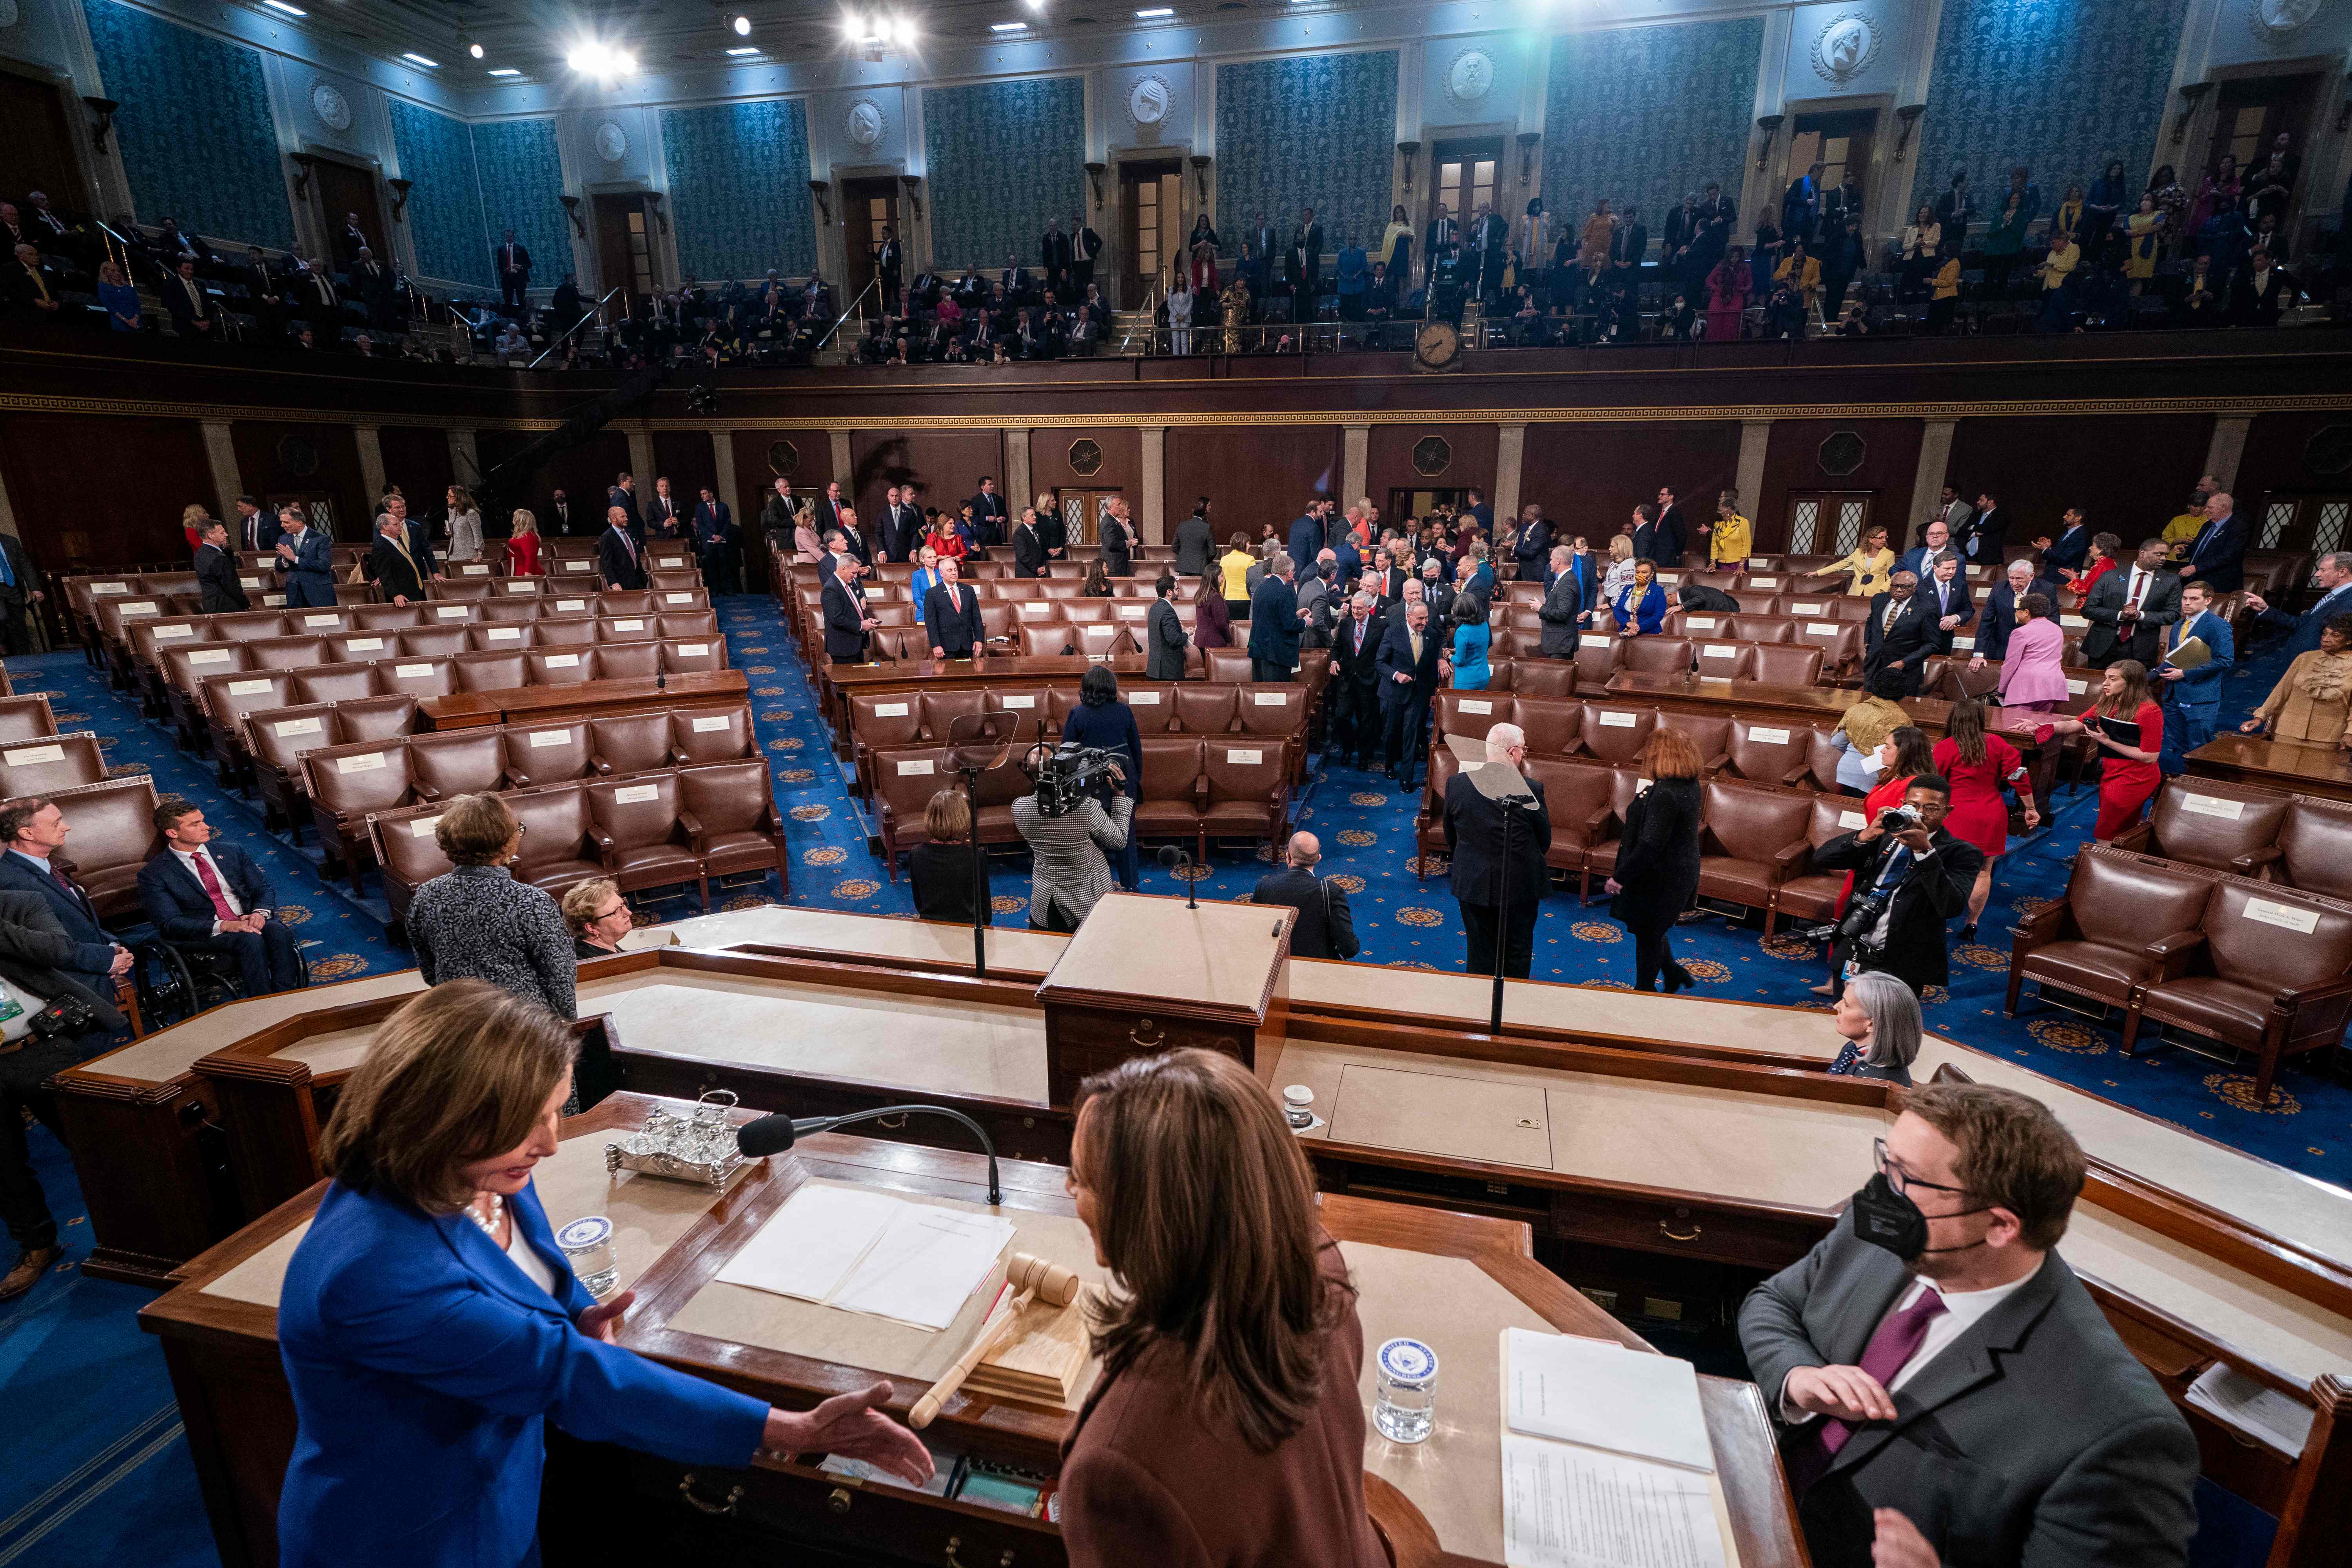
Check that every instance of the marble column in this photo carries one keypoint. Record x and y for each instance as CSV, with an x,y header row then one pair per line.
x,y
2228,444
1152,517
368,439
841,467
1510,451
220,451
1016,469
641,458
1755,439
1928,479
466,458
722,459
1355,460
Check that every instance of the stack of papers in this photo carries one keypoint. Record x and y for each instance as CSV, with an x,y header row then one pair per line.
x,y
1606,1462
2236,1400
864,1251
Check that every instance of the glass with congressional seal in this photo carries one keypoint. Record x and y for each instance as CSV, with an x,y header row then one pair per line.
x,y
587,1242
1404,1403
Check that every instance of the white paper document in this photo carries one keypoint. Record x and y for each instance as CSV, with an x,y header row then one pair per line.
x,y
1585,1392
2238,1401
868,1252
1566,1507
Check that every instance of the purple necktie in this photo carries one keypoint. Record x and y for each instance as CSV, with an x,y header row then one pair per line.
x,y
1890,1350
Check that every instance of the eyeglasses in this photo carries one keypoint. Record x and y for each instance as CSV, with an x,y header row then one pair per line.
x,y
1901,1181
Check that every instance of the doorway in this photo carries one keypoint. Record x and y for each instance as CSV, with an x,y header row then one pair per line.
x,y
1840,142
1465,175
1081,511
40,152
1828,522
2249,114
1151,229
867,207
343,191
1405,503
625,257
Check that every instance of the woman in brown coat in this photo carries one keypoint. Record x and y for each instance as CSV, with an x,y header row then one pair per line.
x,y
1225,1431
2311,700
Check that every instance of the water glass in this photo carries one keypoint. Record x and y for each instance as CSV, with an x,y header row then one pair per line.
x,y
587,1242
1406,1382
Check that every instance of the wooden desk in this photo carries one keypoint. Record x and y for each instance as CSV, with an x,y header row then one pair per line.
x,y
1456,1279
2287,765
585,699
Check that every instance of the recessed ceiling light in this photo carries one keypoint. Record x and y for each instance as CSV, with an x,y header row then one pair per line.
x,y
742,26
505,70
475,50
418,60
280,5
740,53
1008,26
1157,11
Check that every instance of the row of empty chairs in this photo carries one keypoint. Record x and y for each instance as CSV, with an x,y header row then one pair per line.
x,y
1615,732
2293,840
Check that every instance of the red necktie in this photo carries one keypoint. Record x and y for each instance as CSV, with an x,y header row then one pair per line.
x,y
1891,1348
213,886
2139,588
57,876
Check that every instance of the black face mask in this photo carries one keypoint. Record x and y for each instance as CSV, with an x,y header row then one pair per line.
x,y
1884,1217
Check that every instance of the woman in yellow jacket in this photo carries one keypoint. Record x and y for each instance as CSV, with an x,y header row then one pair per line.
x,y
1802,273
1729,537
1869,565
1233,569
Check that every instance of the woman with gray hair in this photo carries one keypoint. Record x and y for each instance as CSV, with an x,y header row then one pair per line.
x,y
1879,1017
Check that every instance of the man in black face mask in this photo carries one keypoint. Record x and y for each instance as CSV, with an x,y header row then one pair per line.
x,y
1951,1391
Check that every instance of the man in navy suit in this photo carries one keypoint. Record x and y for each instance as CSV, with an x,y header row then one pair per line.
x,y
213,895
951,615
34,830
2073,546
254,530
1936,543
2334,574
1275,622
2192,697
624,494
1998,619
1900,633
1306,534
716,541
2218,553
619,557
306,558
1410,665
988,513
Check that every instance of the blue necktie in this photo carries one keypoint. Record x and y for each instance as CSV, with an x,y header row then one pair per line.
x,y
8,573
1897,864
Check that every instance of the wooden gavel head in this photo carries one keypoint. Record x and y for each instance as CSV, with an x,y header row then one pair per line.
x,y
1052,1283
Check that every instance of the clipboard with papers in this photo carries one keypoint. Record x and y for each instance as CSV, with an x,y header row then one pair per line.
x,y
1606,1459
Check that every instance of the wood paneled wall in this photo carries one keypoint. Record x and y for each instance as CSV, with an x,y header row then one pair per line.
x,y
1253,475
93,491
755,467
1122,463
1591,477
417,459
271,458
685,458
1388,460
944,466
2279,461
2129,473
1792,465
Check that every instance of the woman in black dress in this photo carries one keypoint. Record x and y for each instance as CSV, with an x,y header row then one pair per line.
x,y
1657,863
941,866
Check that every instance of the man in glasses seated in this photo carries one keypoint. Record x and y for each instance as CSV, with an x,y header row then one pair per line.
x,y
1951,1393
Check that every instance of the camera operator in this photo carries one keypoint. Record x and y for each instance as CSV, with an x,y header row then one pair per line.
x,y
1910,877
1078,815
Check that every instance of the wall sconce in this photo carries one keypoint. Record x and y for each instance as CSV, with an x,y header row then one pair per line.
x,y
1408,149
2192,93
1527,140
572,207
654,200
400,189
817,188
1094,177
303,169
104,109
1771,125
1200,161
1909,115
914,184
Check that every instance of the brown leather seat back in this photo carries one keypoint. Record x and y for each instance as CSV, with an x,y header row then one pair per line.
x,y
1170,763
287,652
565,632
450,762
420,678
1769,753
249,625
313,622
1701,626
995,620
1153,704
511,612
461,590
386,617
1272,710
1046,639
2211,824
638,812
113,836
1657,656
1017,712
1822,758
1841,641
1726,661
898,616
950,716
674,623
1749,821
1834,816
1472,713
433,642
2123,900
1227,666
2316,846
1533,677
1785,664
712,734
676,598
24,718
492,636
1206,710
2277,940
361,644
146,635
556,828
628,629
631,602
905,781
1086,612
351,781
50,763
1761,628
562,666
491,671
727,797
1572,793
693,655
545,754
278,736
1552,725
1241,772
1616,734
1711,735
1103,641
383,718
629,743
229,698
336,683
1596,659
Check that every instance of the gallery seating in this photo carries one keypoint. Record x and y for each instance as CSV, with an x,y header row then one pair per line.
x,y
2095,941
1752,837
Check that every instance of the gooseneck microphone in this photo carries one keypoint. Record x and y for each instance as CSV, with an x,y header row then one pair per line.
x,y
775,1134
1173,858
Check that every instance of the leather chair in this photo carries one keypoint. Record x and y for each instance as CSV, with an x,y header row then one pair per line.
x,y
1761,628
360,645
287,652
1048,639
382,718
461,589
1785,664
700,735
486,637
560,665
1726,661
1657,656
249,625
1841,642
49,763
1015,713
1812,896
1778,754
447,764
1702,626
904,783
500,608
336,683
899,617
1173,788
1153,704
277,739
419,677
561,632
224,703
491,671
1600,841
559,844
432,642
629,743
729,811
1751,837
1821,758
25,718
1473,714
1206,710
347,783
1532,674
628,629
1711,736
996,789
2265,969
1429,817
1278,714
1553,726
2315,847
114,837
1248,791
2096,940
1085,612
676,624
639,601
408,856
1616,735
626,661
535,755
954,718
1228,666
1102,642
185,671
2221,827
1596,659
1578,796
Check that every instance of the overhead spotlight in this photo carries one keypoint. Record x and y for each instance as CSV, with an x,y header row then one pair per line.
x,y
594,58
903,29
475,50
281,6
742,26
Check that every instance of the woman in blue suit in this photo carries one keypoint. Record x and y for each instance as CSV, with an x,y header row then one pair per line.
x,y
1641,604
1472,638
429,1324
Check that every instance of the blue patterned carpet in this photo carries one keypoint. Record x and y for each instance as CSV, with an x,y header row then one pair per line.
x,y
92,1469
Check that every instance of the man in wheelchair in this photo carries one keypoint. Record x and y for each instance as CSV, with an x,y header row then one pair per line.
x,y
206,896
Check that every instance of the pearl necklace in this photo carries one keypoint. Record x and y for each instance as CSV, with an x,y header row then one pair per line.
x,y
490,1224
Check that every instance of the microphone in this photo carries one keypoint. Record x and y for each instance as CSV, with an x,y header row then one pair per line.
x,y
769,1135
1173,858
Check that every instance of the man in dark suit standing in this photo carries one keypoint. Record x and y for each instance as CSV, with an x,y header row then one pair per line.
x,y
2128,608
951,621
1326,926
1951,1391
1356,705
1672,535
1302,266
514,274
988,514
2334,575
829,507
315,300
1925,875
1411,664
400,562
1164,641
1998,619
32,831
559,515
210,895
307,558
663,518
1490,238
846,623
255,530
372,281
902,524
1085,246
352,240
1899,634
20,585
194,315
1563,610
890,266
2072,546
1945,595
618,559
217,578
1987,533
1275,622
1054,256
624,494
2218,553
1028,547
1499,883
718,544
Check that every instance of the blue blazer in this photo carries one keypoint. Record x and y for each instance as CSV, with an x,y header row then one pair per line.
x,y
177,903
2201,686
1650,611
93,949
1274,623
2217,555
2070,549
1395,658
314,566
2302,631
423,1363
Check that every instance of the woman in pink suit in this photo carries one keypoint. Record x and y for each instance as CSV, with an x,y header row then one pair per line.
x,y
1726,296
2031,676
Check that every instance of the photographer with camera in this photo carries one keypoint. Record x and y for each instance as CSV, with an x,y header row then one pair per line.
x,y
1079,815
1910,876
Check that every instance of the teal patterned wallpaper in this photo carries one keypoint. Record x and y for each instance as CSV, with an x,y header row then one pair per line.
x,y
522,178
1305,131
444,209
2061,86
194,127
738,192
1647,115
1004,159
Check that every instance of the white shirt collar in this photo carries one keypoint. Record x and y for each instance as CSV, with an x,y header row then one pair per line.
x,y
1963,1310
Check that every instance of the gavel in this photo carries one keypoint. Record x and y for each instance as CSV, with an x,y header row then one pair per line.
x,y
1027,1278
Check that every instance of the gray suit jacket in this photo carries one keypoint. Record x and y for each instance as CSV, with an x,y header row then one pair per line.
x,y
2034,1440
2108,638
1563,602
1163,643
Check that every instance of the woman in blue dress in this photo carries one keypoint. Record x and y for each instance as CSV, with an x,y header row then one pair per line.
x,y
1471,640
1642,606
120,299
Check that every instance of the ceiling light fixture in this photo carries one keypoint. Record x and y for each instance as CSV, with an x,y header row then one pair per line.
x,y
597,59
505,70
903,29
281,6
418,60
1008,26
1155,12
742,26
741,53
475,50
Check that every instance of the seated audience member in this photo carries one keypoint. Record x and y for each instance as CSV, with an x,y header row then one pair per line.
x,y
32,831
202,893
475,921
1879,1018
940,867
2310,701
1864,728
1953,1392
37,971
599,917
1914,874
1325,928
1642,608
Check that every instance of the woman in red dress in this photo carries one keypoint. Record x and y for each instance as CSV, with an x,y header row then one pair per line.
x,y
1904,755
2128,775
522,547
1978,767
